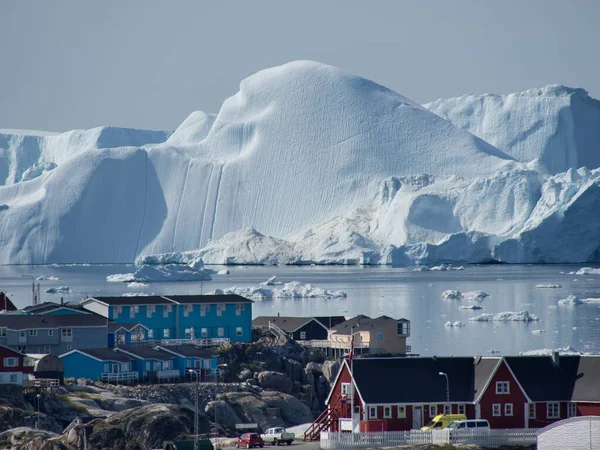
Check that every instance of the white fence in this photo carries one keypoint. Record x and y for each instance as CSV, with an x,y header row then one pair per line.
x,y
483,438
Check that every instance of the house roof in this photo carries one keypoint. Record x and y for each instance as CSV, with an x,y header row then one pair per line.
x,y
139,300
586,382
45,307
361,323
484,369
286,323
114,326
26,321
105,354
190,351
198,299
330,321
146,352
6,304
542,380
411,380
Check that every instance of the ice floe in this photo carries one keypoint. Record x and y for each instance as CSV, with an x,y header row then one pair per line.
x,y
59,290
137,285
271,282
508,316
48,278
548,286
456,324
168,272
587,271
477,296
294,289
568,350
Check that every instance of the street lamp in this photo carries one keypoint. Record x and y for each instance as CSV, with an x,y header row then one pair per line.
x,y
32,288
195,372
447,387
37,421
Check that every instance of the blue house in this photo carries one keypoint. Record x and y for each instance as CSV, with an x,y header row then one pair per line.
x,y
101,364
227,317
189,358
52,308
150,362
126,333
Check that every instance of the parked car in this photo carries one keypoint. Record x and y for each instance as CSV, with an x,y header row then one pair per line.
x,y
249,440
442,421
480,424
472,431
278,435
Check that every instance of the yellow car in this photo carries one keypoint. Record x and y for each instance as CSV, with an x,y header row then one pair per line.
x,y
442,421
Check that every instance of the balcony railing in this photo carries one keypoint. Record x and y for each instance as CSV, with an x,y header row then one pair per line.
x,y
41,383
204,342
121,376
161,374
334,344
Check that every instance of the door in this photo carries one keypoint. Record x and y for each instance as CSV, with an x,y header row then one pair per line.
x,y
417,417
22,337
478,411
115,368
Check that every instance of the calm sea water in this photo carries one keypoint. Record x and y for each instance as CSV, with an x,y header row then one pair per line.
x,y
396,292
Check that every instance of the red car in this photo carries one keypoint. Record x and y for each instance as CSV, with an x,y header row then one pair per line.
x,y
249,440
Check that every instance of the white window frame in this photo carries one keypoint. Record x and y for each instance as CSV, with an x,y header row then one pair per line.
x,y
167,333
13,377
345,389
553,410
148,366
433,410
33,332
150,309
187,309
50,332
66,335
239,331
532,413
239,307
303,335
401,412
47,349
204,308
447,409
571,410
167,309
372,412
204,332
150,334
11,361
496,409
379,336
387,412
2,332
502,387
508,409
461,409
118,310
220,308
221,332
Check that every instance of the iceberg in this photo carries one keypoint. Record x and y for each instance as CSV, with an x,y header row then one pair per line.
x,y
477,296
59,290
296,289
568,350
149,273
271,281
253,293
48,278
548,286
137,285
451,295
456,324
509,316
588,271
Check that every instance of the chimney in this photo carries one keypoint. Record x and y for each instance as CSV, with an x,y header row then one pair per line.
x,y
277,314
62,300
556,359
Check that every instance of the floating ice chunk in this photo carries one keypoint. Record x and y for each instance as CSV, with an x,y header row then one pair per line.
x,y
451,295
494,351
296,289
223,272
477,296
568,350
537,331
439,268
271,282
169,272
588,271
571,300
121,278
508,316
48,278
135,294
59,290
470,307
548,286
456,324
137,285
254,293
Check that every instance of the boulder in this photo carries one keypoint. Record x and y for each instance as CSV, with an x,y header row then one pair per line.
x,y
330,370
291,410
222,413
275,381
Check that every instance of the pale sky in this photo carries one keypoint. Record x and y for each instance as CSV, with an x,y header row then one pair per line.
x,y
148,64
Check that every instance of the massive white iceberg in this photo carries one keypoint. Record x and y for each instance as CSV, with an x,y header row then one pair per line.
x,y
305,164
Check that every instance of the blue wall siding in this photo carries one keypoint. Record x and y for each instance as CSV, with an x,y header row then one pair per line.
x,y
81,366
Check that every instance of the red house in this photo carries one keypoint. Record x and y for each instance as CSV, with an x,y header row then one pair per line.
x,y
402,393
11,366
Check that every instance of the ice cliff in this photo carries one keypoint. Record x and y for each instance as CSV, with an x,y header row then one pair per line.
x,y
305,164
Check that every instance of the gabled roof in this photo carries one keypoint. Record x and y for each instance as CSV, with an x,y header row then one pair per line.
x,y
361,323
124,301
146,352
12,351
113,327
484,370
288,324
544,381
330,321
101,354
168,300
587,383
27,321
414,380
190,351
46,307
200,299
6,304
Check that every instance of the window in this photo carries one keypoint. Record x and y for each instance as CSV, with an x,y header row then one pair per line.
x,y
50,332
167,310
11,362
532,410
239,331
125,367
133,310
372,412
22,336
432,410
118,310
447,409
33,332
166,365
13,377
47,350
66,334
106,367
572,410
148,366
137,334
187,309
188,333
157,365
239,307
150,334
303,335
204,309
204,332
220,332
401,412
166,333
345,388
188,363
387,412
496,409
379,336
461,409
220,309
553,410
150,309
502,387
2,332
121,337
508,409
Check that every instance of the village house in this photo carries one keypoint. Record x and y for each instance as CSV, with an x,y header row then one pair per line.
x,y
225,317
11,366
402,393
300,328
126,334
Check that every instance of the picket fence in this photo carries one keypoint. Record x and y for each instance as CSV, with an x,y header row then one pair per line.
x,y
483,438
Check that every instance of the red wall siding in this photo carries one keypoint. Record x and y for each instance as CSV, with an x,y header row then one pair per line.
x,y
8,353
516,397
588,409
336,393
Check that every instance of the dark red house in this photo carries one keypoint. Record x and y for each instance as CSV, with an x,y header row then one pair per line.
x,y
405,393
11,366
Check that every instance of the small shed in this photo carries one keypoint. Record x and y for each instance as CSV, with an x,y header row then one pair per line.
x,y
46,366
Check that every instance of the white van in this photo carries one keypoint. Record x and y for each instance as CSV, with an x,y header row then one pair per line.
x,y
479,424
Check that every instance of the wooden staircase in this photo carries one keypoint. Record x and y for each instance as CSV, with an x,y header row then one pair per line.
x,y
326,419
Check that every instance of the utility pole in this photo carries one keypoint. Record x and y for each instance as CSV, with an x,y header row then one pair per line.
x,y
32,288
197,404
